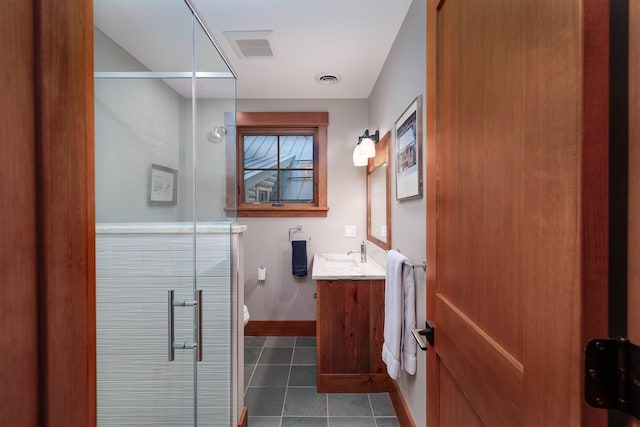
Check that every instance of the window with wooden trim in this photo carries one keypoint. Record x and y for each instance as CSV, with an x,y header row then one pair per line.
x,y
281,164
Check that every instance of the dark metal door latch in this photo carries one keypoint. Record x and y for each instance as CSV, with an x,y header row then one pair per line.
x,y
427,333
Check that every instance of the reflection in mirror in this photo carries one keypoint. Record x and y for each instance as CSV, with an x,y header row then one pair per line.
x,y
379,195
377,191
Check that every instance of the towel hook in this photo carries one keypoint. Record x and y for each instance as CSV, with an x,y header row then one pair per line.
x,y
296,228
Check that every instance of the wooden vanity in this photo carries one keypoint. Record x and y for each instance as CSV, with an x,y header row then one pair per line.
x,y
349,331
349,328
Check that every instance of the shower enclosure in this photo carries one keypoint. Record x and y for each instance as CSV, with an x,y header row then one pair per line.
x,y
166,248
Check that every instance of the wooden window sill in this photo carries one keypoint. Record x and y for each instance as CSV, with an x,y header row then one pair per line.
x,y
269,211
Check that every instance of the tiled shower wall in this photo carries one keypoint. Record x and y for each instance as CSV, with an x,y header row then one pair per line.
x,y
136,264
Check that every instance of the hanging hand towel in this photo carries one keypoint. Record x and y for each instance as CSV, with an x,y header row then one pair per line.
x,y
299,258
409,346
399,348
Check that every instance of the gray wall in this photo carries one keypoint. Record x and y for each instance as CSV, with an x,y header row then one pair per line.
x,y
283,296
402,79
144,121
210,160
137,122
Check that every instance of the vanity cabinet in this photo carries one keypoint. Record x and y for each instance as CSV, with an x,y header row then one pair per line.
x,y
350,327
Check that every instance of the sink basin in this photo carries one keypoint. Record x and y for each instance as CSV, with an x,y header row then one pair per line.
x,y
337,266
341,263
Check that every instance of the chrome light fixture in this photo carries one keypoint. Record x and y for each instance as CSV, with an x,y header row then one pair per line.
x,y
217,135
366,148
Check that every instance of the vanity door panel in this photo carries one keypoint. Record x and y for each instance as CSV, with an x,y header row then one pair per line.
x,y
350,326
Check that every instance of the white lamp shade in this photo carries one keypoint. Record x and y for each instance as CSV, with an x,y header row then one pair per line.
x,y
358,158
367,147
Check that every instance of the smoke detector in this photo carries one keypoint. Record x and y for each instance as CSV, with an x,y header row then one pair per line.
x,y
328,78
253,44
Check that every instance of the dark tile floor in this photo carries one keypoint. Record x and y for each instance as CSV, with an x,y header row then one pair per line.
x,y
280,389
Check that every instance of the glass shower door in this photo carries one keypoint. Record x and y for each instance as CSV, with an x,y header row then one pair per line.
x,y
213,151
163,242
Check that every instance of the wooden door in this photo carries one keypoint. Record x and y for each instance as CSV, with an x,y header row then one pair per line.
x,y
516,208
633,282
18,304
47,312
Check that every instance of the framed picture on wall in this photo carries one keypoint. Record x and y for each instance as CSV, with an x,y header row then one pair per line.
x,y
163,186
408,129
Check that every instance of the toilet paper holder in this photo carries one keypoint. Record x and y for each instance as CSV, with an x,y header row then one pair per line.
x,y
262,274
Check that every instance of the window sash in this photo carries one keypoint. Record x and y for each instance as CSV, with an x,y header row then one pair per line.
x,y
277,177
287,123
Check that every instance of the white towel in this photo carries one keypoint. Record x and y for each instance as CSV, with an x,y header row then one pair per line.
x,y
399,348
409,345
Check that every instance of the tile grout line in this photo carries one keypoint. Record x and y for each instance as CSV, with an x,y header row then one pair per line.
x,y
326,395
286,390
375,422
255,366
287,387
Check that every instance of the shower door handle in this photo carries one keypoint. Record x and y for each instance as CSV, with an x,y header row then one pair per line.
x,y
170,327
172,303
200,309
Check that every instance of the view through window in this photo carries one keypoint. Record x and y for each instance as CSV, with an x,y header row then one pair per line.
x,y
278,168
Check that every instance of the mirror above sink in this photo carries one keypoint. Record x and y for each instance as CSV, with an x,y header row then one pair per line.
x,y
379,195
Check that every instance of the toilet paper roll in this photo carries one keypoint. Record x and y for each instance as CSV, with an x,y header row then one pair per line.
x,y
262,273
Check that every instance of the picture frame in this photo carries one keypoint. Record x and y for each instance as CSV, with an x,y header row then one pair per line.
x,y
163,186
408,137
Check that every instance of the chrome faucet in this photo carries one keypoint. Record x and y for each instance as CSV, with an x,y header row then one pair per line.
x,y
363,252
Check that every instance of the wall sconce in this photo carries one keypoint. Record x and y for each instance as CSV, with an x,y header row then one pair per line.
x,y
358,158
217,135
365,148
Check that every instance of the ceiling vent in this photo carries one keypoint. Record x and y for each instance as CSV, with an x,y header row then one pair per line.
x,y
253,44
328,78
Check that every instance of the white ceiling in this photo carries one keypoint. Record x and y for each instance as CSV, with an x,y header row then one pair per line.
x,y
349,37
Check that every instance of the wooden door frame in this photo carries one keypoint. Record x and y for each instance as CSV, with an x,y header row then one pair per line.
x,y
66,211
49,297
433,403
594,190
623,66
633,281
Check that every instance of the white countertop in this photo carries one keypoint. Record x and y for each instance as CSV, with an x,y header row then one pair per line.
x,y
345,267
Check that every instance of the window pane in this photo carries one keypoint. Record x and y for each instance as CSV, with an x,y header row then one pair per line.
x,y
260,151
296,151
259,186
296,185
267,180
